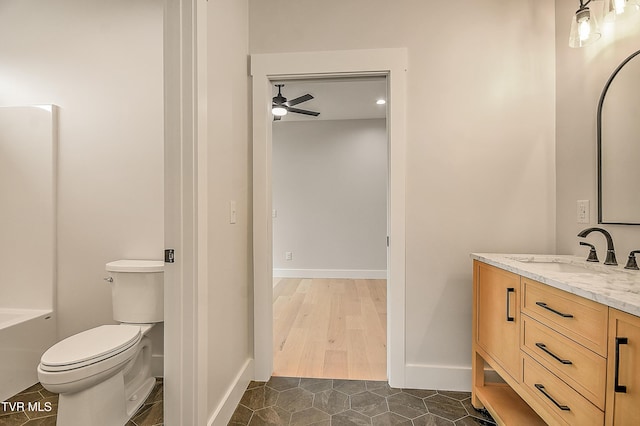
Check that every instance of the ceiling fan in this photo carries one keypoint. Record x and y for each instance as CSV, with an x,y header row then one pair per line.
x,y
280,106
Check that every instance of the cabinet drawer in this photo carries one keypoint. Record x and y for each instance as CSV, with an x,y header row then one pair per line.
x,y
561,402
583,370
582,320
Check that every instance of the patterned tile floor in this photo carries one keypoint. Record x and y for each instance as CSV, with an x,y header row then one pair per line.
x,y
45,413
296,401
324,402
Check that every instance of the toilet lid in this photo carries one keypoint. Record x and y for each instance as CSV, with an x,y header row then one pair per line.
x,y
90,346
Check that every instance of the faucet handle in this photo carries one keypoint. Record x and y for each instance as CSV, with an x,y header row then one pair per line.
x,y
593,255
631,262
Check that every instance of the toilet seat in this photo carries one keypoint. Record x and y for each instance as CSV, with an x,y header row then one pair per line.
x,y
89,347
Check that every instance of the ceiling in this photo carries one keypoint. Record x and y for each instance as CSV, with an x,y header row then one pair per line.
x,y
337,98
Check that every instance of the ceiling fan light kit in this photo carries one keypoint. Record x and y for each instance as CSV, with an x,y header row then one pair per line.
x,y
280,106
279,111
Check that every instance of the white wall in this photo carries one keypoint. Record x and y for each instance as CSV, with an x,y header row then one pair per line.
x,y
330,194
101,63
581,76
229,266
480,147
28,147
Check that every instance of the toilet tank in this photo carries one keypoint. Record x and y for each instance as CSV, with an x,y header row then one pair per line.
x,y
137,290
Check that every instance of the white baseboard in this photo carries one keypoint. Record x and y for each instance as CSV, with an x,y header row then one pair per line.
x,y
440,377
223,412
370,274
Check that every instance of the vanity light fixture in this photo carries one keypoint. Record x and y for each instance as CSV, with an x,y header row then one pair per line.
x,y
584,27
621,9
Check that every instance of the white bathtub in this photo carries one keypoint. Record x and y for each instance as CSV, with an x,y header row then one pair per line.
x,y
25,334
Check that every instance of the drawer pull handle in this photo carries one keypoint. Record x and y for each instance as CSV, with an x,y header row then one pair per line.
x,y
544,392
510,290
544,348
618,387
545,306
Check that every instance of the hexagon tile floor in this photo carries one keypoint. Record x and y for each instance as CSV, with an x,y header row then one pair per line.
x,y
45,408
324,402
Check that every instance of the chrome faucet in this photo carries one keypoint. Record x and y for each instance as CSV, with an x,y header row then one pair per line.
x,y
611,254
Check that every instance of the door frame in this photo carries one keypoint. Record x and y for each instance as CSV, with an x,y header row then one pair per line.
x,y
281,66
185,177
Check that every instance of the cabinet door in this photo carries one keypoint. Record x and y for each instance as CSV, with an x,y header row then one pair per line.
x,y
497,294
623,370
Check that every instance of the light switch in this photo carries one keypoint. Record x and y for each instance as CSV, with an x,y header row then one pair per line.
x,y
274,213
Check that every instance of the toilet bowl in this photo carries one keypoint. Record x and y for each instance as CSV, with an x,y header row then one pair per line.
x,y
88,371
103,375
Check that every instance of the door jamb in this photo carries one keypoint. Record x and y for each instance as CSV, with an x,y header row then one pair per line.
x,y
267,67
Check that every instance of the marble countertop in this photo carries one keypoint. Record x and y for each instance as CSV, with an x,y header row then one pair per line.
x,y
613,286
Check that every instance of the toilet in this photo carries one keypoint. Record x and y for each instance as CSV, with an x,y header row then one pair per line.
x,y
103,375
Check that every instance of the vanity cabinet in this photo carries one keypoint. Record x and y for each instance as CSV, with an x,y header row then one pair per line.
x,y
623,370
563,359
496,346
498,313
564,348
581,320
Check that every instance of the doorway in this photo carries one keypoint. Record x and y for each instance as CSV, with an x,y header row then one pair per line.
x,y
266,68
329,198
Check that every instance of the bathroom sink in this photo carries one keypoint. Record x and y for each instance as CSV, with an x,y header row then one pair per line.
x,y
555,264
565,267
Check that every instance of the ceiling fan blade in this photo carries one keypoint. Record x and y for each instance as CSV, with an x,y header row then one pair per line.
x,y
303,111
299,100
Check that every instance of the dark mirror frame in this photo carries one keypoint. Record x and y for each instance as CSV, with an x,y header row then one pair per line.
x,y
599,125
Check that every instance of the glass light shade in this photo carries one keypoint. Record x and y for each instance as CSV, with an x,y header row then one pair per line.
x,y
279,111
621,9
584,28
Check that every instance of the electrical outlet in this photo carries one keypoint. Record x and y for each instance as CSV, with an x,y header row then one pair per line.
x,y
583,211
288,255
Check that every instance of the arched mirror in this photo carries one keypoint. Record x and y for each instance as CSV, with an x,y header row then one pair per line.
x,y
619,145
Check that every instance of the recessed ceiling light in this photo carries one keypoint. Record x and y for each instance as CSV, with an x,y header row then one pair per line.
x,y
381,102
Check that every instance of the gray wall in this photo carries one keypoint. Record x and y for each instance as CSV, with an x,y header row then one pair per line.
x,y
101,63
581,76
480,139
228,168
330,194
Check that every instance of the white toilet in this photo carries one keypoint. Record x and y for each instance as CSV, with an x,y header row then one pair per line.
x,y
103,375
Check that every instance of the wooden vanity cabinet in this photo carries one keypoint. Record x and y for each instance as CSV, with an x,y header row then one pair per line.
x,y
567,335
497,299
566,360
496,346
623,370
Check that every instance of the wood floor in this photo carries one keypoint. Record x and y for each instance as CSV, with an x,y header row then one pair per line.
x,y
330,328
